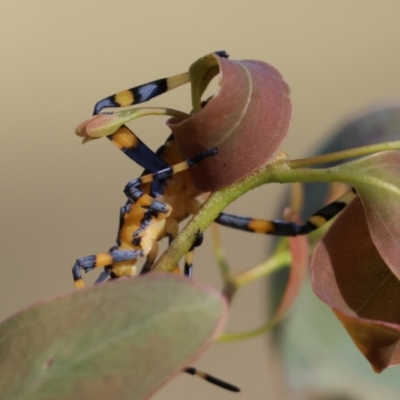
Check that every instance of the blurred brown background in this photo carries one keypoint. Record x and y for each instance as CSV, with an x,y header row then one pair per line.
x,y
60,201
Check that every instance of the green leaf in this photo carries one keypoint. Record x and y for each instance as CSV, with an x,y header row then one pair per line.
x,y
120,340
106,124
201,72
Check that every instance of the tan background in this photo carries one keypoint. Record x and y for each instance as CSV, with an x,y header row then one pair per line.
x,y
60,201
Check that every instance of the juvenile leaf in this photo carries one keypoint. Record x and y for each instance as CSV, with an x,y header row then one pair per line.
x,y
98,126
106,124
377,179
247,119
350,276
120,340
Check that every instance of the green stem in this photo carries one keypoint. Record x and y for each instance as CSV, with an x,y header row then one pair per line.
x,y
217,201
342,155
134,113
280,171
219,253
272,264
281,259
236,336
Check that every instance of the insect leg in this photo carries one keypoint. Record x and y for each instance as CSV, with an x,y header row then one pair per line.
x,y
101,260
188,269
211,379
126,139
151,258
104,275
283,228
134,194
142,93
136,150
107,269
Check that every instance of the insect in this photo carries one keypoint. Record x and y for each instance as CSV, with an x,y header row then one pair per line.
x,y
164,196
157,202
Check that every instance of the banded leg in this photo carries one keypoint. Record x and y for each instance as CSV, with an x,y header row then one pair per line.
x,y
126,141
137,195
142,199
172,230
188,269
107,269
138,152
145,92
211,379
142,93
124,138
150,259
105,259
104,275
283,228
127,138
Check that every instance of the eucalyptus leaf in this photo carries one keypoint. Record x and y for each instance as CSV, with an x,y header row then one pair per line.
x,y
119,340
377,180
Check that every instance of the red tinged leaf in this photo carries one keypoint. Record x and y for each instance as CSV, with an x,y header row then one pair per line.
x,y
299,250
350,276
97,126
377,179
247,119
93,124
120,340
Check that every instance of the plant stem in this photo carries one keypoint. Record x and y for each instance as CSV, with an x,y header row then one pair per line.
x,y
272,264
219,253
280,171
122,117
344,154
217,201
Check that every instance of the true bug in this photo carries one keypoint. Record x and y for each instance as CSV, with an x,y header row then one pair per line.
x,y
162,198
154,208
155,194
